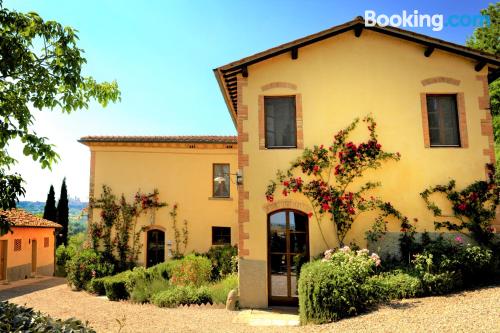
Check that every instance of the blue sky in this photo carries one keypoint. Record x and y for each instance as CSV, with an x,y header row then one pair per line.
x,y
162,54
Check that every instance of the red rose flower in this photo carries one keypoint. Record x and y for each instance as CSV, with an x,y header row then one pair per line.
x,y
310,214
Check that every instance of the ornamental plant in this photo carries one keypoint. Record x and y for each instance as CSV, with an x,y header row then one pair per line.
x,y
473,208
329,174
120,218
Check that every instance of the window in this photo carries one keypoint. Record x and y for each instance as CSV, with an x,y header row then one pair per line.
x,y
221,235
220,181
17,244
443,121
280,122
46,242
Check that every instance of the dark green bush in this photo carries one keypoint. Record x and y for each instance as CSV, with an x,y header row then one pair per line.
x,y
222,260
445,266
182,295
115,286
337,287
96,286
15,318
85,266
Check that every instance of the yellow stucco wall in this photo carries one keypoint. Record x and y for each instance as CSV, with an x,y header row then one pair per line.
x,y
19,262
346,77
182,176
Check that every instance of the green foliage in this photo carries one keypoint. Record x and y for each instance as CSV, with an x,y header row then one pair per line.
x,y
444,266
84,266
16,318
119,219
65,253
96,286
41,68
191,270
474,207
115,286
330,174
182,295
177,253
398,284
145,288
486,38
337,286
50,210
63,214
220,289
222,260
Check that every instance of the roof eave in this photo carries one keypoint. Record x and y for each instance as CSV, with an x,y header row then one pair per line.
x,y
227,100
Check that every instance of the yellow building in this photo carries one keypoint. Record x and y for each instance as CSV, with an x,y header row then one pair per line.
x,y
429,98
195,172
29,250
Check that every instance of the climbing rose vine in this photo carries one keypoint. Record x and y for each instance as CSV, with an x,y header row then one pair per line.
x,y
328,174
473,208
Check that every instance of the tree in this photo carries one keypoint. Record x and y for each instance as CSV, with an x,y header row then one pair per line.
x,y
486,39
329,180
50,210
40,68
63,214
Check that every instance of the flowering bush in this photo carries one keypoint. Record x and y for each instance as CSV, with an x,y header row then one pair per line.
x,y
191,270
474,207
329,173
84,266
336,286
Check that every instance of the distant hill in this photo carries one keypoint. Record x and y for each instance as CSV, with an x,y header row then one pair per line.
x,y
77,220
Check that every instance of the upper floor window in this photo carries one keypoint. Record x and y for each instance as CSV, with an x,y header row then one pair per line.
x,y
280,122
220,181
443,121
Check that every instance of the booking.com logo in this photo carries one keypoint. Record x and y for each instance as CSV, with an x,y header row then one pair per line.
x,y
416,20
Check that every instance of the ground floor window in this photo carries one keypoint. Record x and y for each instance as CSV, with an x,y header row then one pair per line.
x,y
221,236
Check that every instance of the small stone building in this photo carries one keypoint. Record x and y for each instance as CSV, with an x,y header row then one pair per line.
x,y
29,250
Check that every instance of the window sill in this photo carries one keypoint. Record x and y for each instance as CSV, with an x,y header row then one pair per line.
x,y
220,198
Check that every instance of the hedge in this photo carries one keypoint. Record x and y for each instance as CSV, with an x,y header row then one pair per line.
x,y
181,295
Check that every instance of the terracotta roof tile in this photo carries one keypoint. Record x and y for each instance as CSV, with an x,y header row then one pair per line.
x,y
174,139
21,218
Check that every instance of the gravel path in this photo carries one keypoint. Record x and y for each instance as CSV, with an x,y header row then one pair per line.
x,y
473,311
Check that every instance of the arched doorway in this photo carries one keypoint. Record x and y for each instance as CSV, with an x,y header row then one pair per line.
x,y
288,250
155,247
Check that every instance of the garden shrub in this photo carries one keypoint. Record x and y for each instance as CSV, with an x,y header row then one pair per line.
x,y
191,270
84,266
445,266
397,284
66,253
220,289
336,287
115,286
16,318
96,286
222,260
182,295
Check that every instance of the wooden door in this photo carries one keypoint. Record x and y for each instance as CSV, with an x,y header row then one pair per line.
x,y
3,260
288,250
33,256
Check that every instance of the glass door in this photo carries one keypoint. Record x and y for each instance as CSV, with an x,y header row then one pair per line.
x,y
288,250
